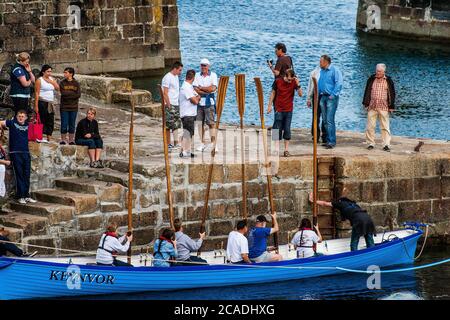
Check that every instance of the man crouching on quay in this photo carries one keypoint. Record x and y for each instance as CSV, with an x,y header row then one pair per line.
x,y
185,245
111,245
361,222
257,240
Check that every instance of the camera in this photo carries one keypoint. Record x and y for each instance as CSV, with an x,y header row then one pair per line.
x,y
269,61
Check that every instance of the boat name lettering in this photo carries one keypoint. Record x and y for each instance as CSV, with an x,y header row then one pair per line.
x,y
84,277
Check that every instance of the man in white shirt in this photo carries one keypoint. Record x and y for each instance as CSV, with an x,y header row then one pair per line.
x,y
310,103
237,246
205,84
188,112
171,89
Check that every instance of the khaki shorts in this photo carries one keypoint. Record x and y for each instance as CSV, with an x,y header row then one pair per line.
x,y
206,115
265,257
173,120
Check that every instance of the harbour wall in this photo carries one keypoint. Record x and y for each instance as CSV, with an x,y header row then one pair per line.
x,y
93,36
410,19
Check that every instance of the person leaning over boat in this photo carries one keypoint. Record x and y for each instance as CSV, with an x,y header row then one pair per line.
x,y
185,245
110,245
305,240
361,222
310,104
237,245
11,247
165,249
257,240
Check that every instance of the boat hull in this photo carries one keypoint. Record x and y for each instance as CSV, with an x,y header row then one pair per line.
x,y
28,279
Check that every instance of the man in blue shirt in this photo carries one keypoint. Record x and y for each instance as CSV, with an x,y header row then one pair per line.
x,y
330,86
257,240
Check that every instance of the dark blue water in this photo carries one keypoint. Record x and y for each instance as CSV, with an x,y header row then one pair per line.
x,y
238,37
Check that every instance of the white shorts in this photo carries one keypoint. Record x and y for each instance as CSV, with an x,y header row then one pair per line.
x,y
265,257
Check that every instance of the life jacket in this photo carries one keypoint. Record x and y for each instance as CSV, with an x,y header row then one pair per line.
x,y
314,246
158,251
102,246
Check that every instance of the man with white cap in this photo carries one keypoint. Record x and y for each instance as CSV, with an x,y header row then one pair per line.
x,y
205,84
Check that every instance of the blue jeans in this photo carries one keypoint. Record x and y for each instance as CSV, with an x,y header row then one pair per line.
x,y
282,123
21,162
328,109
68,119
90,143
354,241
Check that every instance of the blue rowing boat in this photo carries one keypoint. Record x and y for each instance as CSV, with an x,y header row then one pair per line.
x,y
36,278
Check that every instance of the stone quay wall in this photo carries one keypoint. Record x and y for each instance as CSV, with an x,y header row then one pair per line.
x,y
393,190
414,19
93,36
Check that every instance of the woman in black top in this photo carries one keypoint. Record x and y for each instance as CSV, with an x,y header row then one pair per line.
x,y
87,134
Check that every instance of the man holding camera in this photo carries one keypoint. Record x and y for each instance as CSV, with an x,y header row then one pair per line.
x,y
284,62
283,91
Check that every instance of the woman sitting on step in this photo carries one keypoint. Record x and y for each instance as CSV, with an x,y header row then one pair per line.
x,y
87,134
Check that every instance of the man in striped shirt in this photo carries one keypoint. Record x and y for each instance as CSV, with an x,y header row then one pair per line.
x,y
379,100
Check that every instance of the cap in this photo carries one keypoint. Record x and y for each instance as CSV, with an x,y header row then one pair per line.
x,y
205,61
261,218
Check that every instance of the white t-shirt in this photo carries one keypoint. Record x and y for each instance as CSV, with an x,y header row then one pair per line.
x,y
172,82
205,81
187,108
308,238
237,245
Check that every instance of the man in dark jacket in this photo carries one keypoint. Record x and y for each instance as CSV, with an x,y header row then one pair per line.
x,y
361,222
6,246
379,100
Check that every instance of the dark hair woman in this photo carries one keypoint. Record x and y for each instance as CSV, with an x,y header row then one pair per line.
x,y
165,248
305,240
70,95
44,94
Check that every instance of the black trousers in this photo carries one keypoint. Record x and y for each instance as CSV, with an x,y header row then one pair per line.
x,y
9,247
47,118
319,126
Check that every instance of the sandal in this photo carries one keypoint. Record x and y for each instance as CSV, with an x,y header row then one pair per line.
x,y
287,154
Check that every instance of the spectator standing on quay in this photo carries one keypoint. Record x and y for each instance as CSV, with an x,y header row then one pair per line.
x,y
310,103
20,154
379,100
44,94
188,112
330,86
21,80
3,163
284,62
70,94
283,91
205,85
171,89
87,134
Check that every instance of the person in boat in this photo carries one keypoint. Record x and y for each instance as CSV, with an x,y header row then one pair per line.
x,y
185,245
6,247
237,245
305,240
257,240
111,245
361,222
165,249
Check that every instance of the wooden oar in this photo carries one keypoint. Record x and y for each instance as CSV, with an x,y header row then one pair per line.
x,y
240,98
166,158
221,94
259,89
315,160
130,176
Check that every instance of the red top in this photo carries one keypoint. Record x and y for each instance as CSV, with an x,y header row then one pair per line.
x,y
284,101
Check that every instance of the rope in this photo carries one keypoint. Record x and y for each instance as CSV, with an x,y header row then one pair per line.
x,y
423,245
51,248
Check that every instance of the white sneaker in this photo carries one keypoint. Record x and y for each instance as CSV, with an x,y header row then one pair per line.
x,y
42,141
22,201
30,200
212,145
201,148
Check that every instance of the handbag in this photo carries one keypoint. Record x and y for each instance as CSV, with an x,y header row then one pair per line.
x,y
35,129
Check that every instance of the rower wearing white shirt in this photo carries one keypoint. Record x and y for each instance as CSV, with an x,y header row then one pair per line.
x,y
205,83
305,240
237,245
110,246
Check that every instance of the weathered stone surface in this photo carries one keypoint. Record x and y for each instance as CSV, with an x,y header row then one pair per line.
x,y
90,222
143,236
400,189
441,210
218,228
30,224
427,188
414,211
83,203
41,241
54,212
15,234
121,219
110,206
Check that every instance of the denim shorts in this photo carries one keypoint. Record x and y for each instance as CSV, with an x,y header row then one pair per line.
x,y
282,124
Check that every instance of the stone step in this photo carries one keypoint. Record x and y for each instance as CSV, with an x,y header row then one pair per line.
x,y
139,167
151,109
111,206
30,224
15,234
110,175
83,203
55,212
141,97
106,191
